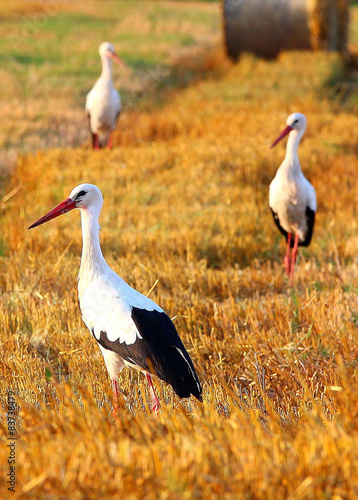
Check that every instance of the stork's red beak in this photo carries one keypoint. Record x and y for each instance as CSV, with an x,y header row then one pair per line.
x,y
62,208
117,59
286,131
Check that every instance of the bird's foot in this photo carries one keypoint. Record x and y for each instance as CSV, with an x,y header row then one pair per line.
x,y
155,406
291,275
95,141
115,413
116,401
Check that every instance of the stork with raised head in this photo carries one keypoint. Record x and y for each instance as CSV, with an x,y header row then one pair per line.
x,y
292,197
103,103
130,329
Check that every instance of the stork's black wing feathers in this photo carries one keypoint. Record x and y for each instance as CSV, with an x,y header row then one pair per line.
x,y
118,114
89,126
310,218
160,351
169,358
277,222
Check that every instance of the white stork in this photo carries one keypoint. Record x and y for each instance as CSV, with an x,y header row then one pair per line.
x,y
130,329
292,197
103,103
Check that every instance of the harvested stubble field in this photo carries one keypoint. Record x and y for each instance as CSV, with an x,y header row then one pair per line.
x,y
186,203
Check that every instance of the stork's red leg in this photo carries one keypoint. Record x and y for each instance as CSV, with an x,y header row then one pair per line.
x,y
155,400
95,141
109,143
287,256
294,256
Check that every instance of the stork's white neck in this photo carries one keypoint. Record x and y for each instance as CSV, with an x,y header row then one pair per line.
x,y
92,260
106,68
294,138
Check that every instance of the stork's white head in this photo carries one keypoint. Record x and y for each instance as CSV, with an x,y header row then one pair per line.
x,y
106,49
84,197
296,121
87,195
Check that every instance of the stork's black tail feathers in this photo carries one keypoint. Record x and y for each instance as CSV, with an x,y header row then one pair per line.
x,y
181,375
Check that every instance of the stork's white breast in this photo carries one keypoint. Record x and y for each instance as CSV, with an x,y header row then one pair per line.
x,y
289,197
106,305
103,104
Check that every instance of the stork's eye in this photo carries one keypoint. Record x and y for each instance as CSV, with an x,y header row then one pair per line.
x,y
296,121
81,193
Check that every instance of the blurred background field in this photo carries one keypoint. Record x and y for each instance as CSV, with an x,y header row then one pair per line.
x,y
49,59
186,203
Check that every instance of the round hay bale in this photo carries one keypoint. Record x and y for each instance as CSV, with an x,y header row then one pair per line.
x,y
328,23
266,27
